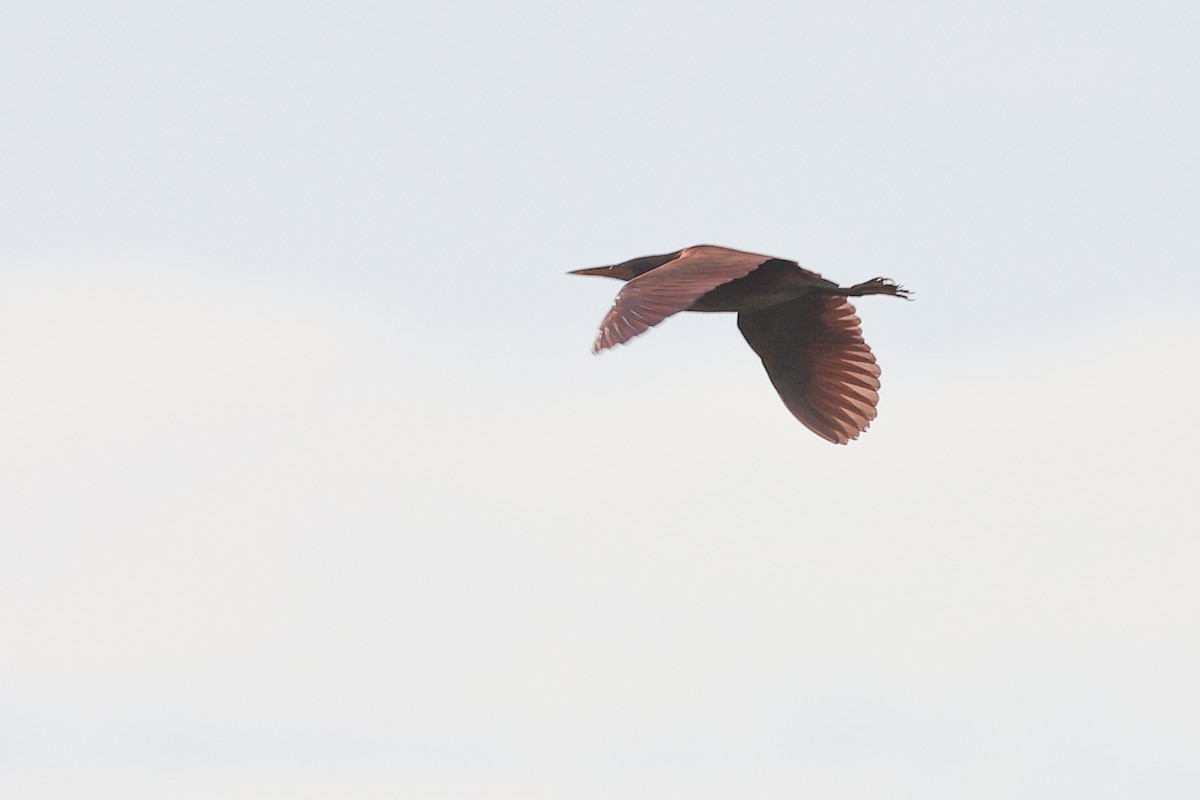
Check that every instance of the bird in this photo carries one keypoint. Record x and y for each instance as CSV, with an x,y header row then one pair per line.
x,y
801,325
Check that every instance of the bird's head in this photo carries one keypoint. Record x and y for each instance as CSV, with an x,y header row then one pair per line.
x,y
628,270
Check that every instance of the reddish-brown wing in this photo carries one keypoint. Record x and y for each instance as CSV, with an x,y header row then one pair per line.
x,y
649,299
814,353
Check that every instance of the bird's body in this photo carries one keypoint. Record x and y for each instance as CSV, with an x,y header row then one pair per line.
x,y
771,283
800,324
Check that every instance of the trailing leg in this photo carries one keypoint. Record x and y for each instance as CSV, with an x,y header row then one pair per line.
x,y
876,286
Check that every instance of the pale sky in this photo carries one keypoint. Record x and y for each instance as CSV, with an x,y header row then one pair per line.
x,y
310,486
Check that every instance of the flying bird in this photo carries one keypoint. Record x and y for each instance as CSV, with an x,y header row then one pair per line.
x,y
801,325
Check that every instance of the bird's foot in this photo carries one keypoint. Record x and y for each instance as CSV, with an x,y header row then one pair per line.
x,y
879,286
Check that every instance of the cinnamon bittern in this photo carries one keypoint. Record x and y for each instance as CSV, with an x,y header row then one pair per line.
x,y
801,325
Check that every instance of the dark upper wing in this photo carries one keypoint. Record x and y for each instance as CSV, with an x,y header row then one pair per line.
x,y
650,298
815,355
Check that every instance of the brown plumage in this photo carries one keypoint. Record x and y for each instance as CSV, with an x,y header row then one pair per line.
x,y
800,324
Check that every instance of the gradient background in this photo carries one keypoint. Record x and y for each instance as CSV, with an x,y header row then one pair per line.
x,y
309,486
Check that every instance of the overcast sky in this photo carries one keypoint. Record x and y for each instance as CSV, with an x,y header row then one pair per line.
x,y
310,486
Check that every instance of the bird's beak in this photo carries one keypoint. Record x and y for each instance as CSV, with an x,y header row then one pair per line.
x,y
602,271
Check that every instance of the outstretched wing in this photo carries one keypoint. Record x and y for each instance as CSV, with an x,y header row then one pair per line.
x,y
650,298
814,353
